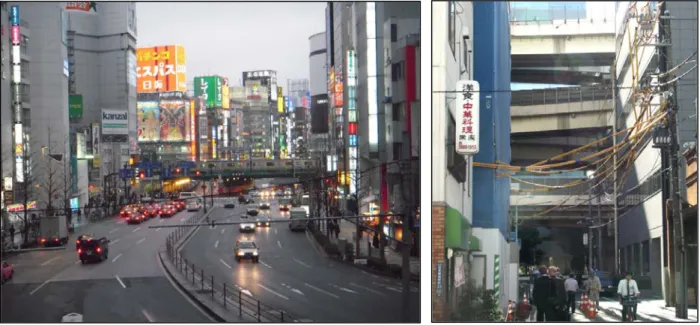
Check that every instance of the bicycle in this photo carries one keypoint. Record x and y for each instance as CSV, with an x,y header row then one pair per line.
x,y
629,306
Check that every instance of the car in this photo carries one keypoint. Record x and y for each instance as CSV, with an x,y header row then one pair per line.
x,y
150,211
188,195
246,250
285,204
167,211
260,222
264,206
229,205
93,250
193,205
7,272
252,210
179,205
124,213
80,239
246,227
244,200
279,193
136,218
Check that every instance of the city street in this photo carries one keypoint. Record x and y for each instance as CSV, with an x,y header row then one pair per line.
x,y
129,286
293,276
648,310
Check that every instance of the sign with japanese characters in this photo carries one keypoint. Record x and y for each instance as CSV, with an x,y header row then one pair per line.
x,y
225,97
467,117
160,69
209,88
81,6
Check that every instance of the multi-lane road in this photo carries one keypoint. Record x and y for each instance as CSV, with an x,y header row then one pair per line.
x,y
130,286
293,276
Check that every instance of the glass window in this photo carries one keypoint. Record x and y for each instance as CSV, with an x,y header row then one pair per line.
x,y
455,161
646,267
23,44
394,33
25,93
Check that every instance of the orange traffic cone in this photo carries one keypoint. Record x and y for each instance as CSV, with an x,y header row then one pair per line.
x,y
509,313
582,304
592,312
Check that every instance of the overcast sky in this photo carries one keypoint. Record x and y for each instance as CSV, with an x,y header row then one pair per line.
x,y
228,38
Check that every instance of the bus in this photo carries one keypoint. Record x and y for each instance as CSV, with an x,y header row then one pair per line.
x,y
297,219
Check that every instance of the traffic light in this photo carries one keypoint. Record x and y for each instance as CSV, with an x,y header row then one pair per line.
x,y
197,173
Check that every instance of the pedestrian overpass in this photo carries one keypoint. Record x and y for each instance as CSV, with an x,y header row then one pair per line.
x,y
260,168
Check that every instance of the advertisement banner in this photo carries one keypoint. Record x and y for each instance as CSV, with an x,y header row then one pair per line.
x,y
14,15
95,139
115,122
148,121
131,65
319,114
280,105
467,128
209,87
193,129
80,145
160,68
253,91
75,106
338,90
225,98
173,120
81,6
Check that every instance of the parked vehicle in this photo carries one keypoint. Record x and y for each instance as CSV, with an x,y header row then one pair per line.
x,y
53,231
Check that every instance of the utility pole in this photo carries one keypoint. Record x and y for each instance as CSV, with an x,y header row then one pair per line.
x,y
406,249
590,231
600,220
678,239
614,134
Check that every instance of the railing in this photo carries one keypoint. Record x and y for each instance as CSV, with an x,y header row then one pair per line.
x,y
227,296
559,95
580,189
524,15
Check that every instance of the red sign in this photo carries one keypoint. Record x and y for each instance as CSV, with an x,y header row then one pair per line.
x,y
15,35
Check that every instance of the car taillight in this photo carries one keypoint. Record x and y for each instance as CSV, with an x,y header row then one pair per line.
x,y
77,241
99,249
80,250
55,239
43,240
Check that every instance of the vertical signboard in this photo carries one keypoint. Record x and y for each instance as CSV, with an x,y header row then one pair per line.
x,y
16,79
96,145
148,121
160,68
467,130
193,129
225,98
209,88
75,106
352,121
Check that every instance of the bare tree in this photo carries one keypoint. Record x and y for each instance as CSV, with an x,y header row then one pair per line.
x,y
25,192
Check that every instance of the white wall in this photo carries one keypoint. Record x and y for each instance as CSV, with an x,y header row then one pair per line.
x,y
83,182
493,243
318,80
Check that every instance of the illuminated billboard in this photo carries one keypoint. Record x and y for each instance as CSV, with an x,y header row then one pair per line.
x,y
160,68
225,98
174,124
148,121
209,88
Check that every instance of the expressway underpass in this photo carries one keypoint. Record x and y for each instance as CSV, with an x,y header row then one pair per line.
x,y
292,275
128,287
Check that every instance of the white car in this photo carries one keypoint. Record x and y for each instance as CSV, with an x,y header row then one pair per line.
x,y
264,206
246,249
193,205
252,210
247,227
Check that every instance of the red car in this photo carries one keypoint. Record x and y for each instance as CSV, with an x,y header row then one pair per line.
x,y
7,272
167,211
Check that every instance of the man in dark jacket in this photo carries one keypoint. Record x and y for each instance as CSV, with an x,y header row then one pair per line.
x,y
557,298
540,294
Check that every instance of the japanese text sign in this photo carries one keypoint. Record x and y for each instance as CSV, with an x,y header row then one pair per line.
x,y
467,117
161,68
209,88
225,97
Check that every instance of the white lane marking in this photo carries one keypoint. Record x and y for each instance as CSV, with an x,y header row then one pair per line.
x,y
157,229
246,292
116,258
120,281
368,289
115,241
342,289
216,244
222,231
393,289
273,292
140,240
263,263
228,266
122,221
77,262
279,244
113,230
49,261
297,291
135,230
321,290
148,317
302,263
39,287
275,231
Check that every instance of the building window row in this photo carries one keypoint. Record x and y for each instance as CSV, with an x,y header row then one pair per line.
x,y
455,162
397,71
25,91
23,44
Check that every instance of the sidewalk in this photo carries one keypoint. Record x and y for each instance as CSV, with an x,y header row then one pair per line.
x,y
347,230
18,239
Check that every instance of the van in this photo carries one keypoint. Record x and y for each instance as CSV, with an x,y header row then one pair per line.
x,y
188,195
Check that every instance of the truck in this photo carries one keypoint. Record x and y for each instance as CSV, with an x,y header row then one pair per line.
x,y
53,231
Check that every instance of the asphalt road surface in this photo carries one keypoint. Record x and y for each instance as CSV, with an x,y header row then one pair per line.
x,y
130,286
292,276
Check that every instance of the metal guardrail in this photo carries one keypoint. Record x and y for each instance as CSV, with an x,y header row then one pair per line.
x,y
224,294
521,15
559,95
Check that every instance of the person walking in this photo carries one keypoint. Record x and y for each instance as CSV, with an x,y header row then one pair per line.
x,y
557,296
628,291
571,286
540,295
593,286
12,235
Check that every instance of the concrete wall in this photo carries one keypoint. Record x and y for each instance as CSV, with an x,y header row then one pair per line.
x,y
494,243
684,33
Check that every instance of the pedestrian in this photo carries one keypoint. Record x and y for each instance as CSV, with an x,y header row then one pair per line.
x,y
375,240
540,294
593,287
12,234
628,291
337,230
571,286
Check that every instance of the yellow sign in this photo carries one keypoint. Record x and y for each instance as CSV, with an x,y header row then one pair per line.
x,y
96,161
280,104
18,149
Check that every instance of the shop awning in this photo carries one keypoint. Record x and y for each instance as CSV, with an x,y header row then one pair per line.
x,y
474,244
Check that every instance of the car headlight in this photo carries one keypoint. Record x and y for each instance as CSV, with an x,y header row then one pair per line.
x,y
268,224
255,253
240,253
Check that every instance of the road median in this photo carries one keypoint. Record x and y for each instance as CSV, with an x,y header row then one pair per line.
x,y
221,301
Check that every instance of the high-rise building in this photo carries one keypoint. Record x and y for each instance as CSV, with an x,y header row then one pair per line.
x,y
300,132
318,91
265,80
101,37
